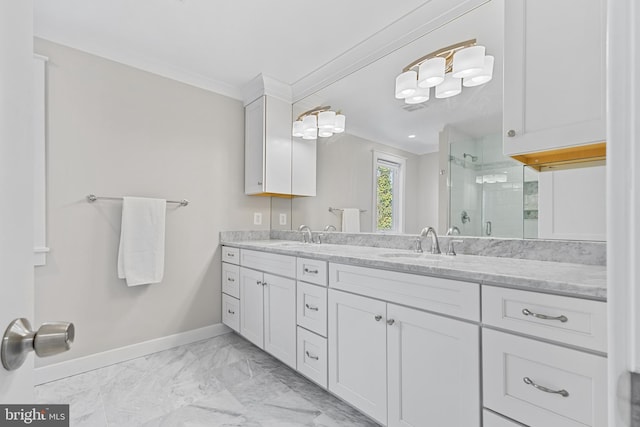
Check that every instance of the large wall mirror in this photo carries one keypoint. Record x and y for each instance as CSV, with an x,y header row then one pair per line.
x,y
438,163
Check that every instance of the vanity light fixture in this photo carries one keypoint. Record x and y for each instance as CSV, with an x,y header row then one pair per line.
x,y
318,122
447,69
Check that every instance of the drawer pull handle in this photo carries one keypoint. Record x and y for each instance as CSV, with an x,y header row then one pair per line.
x,y
306,270
311,356
230,255
529,381
528,312
231,312
378,318
230,279
312,308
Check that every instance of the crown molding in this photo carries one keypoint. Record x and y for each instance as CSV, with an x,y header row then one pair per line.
x,y
265,85
428,17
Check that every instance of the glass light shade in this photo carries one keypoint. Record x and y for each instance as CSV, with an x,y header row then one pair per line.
x,y
431,72
468,62
326,120
421,95
309,122
485,75
406,84
325,133
449,87
310,134
298,132
339,123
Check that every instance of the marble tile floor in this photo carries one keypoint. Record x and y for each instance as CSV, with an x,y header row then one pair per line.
x,y
223,381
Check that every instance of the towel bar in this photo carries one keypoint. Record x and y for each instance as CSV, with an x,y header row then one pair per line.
x,y
92,198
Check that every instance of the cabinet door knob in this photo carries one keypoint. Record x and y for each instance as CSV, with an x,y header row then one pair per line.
x,y
511,133
264,283
378,318
258,282
259,182
390,322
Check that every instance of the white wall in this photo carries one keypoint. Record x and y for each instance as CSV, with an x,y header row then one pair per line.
x,y
429,173
114,130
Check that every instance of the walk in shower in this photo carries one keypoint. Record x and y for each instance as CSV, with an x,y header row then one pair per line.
x,y
488,193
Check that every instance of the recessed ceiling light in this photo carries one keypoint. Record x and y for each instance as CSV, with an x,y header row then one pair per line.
x,y
412,136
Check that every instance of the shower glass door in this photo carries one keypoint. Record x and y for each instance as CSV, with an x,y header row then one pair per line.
x,y
485,188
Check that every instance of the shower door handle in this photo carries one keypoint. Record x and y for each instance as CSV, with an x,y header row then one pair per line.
x,y
487,228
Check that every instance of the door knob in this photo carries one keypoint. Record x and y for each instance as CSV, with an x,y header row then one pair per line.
x,y
19,339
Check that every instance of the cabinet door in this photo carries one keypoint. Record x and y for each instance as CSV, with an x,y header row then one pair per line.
x,y
254,146
554,78
357,352
433,368
277,155
280,318
251,306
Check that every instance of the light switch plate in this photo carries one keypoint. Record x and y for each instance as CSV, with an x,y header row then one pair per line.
x,y
257,218
283,219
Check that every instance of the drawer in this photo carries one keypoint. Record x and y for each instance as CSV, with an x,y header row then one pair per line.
x,y
312,356
231,255
312,308
513,366
231,279
446,296
231,312
574,321
489,419
312,271
281,265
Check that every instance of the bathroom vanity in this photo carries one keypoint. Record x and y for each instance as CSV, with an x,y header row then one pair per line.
x,y
418,339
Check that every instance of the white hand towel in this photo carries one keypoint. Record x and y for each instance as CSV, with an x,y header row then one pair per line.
x,y
141,252
351,220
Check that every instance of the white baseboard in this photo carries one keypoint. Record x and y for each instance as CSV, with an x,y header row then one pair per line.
x,y
68,368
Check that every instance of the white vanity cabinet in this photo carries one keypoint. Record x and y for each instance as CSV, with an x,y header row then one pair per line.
x,y
231,288
312,319
274,163
267,166
536,382
400,365
268,303
554,74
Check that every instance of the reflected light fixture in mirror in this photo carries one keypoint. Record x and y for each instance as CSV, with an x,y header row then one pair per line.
x,y
318,122
447,69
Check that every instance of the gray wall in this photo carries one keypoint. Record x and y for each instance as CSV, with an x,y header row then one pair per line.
x,y
115,130
345,180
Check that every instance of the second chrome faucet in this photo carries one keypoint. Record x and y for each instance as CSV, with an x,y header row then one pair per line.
x,y
426,232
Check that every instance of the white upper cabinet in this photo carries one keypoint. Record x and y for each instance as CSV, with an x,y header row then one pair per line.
x,y
267,166
554,74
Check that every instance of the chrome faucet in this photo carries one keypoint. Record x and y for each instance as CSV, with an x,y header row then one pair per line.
x,y
435,246
453,231
307,237
330,228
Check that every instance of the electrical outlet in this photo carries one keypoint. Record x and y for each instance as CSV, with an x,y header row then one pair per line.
x,y
257,218
283,219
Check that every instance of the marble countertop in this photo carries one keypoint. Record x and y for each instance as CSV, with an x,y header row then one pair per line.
x,y
578,280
